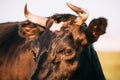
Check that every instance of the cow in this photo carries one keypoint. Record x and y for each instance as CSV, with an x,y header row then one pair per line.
x,y
61,44
58,49
18,59
38,49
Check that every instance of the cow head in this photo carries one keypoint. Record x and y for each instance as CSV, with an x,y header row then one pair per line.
x,y
60,45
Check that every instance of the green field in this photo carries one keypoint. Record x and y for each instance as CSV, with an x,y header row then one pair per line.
x,y
110,62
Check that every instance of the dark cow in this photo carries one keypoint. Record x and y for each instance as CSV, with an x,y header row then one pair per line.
x,y
55,52
61,44
58,49
18,55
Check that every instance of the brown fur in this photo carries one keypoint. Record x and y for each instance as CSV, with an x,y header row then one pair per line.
x,y
63,51
96,28
16,60
57,53
57,63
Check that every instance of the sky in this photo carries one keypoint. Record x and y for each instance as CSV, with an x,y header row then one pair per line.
x,y
13,10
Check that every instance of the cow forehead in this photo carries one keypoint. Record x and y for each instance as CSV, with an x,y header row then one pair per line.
x,y
56,26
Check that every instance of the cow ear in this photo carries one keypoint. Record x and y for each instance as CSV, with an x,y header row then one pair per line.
x,y
96,28
29,31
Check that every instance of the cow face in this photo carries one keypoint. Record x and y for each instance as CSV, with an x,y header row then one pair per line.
x,y
58,55
59,46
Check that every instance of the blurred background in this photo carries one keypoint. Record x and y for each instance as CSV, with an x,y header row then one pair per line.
x,y
108,45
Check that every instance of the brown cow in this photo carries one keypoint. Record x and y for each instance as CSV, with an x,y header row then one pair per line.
x,y
17,60
55,52
61,44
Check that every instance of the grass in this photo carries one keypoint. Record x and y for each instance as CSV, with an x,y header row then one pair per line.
x,y
110,62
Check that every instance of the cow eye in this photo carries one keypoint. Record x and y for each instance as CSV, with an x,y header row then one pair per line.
x,y
68,52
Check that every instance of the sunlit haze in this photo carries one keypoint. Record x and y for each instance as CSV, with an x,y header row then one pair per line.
x,y
13,10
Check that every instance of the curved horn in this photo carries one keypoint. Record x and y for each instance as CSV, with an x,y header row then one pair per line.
x,y
34,18
80,11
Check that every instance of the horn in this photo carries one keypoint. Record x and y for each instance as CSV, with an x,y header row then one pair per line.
x,y
34,18
80,11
